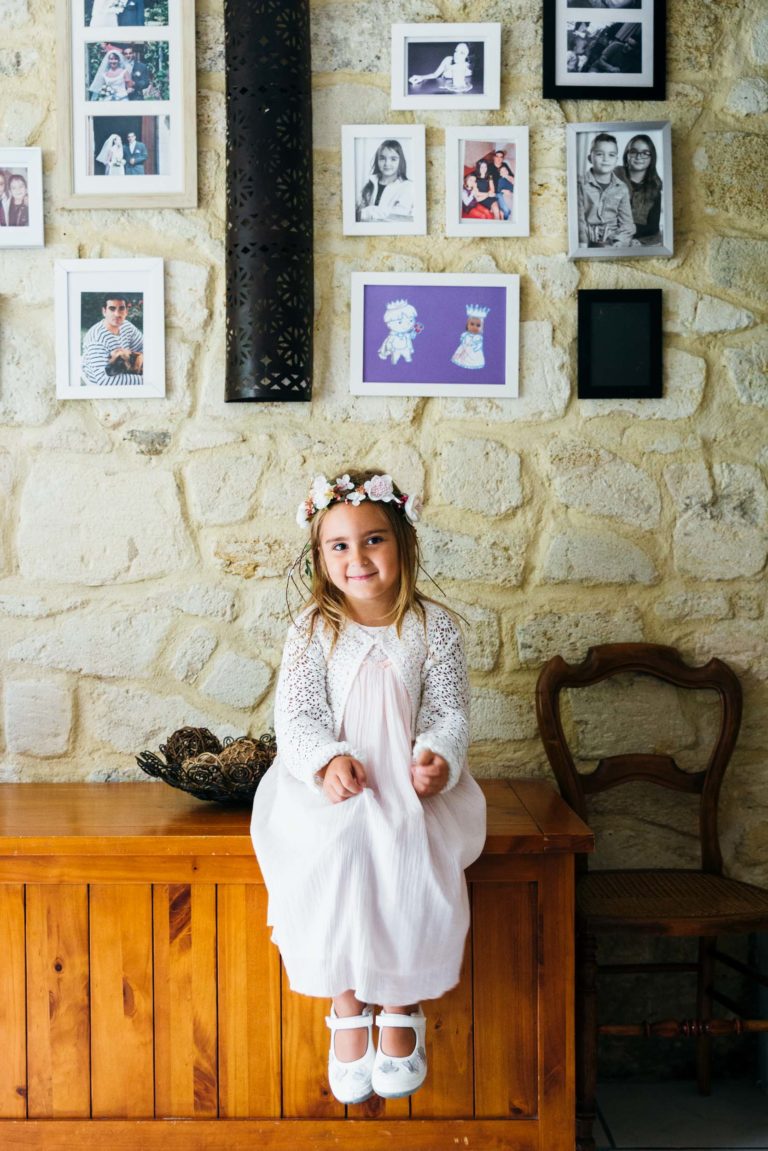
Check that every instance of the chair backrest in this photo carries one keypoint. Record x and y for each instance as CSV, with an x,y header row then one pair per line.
x,y
663,663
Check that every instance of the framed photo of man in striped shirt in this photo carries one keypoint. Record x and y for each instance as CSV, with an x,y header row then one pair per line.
x,y
110,329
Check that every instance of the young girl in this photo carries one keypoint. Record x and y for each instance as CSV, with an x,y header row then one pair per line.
x,y
366,820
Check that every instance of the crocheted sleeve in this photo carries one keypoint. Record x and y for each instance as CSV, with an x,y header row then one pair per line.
x,y
303,720
442,724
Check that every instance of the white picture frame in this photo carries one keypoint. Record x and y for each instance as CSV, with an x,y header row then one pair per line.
x,y
101,107
599,226
469,78
21,198
502,153
370,153
94,360
434,334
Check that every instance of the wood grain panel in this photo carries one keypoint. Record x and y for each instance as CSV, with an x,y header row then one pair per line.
x,y
58,1025
504,946
306,1093
185,1000
122,1047
556,989
13,1022
249,1006
449,1089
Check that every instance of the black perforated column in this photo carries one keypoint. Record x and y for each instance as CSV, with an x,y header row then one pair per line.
x,y
269,200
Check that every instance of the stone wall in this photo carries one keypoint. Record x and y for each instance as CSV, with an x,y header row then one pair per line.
x,y
144,544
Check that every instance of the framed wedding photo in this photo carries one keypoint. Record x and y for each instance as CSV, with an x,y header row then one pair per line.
x,y
384,180
609,49
21,198
486,181
620,344
433,334
126,81
446,65
619,190
110,329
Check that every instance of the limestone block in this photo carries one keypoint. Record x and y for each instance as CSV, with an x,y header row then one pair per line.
x,y
749,604
148,443
741,264
741,643
34,606
760,42
196,437
6,472
544,384
596,558
331,397
361,103
480,475
694,605
29,271
748,371
596,481
204,600
130,719
193,654
186,285
262,555
27,388
15,13
38,718
237,681
267,619
211,114
748,97
400,460
733,182
693,33
100,524
21,121
722,533
500,716
222,488
570,634
689,484
556,277
629,713
684,379
713,315
482,638
74,430
490,559
355,37
210,43
108,644
145,415
679,302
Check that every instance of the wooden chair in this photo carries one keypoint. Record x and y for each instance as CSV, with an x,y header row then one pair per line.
x,y
669,902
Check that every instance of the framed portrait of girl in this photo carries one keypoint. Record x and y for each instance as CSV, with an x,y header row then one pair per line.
x,y
446,65
21,198
383,180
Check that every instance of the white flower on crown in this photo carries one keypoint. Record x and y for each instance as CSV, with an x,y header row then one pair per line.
x,y
413,508
380,488
355,497
321,493
344,483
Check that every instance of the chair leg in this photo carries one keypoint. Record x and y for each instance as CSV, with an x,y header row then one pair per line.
x,y
586,1040
704,1012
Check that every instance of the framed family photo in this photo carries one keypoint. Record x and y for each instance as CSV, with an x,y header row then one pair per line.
x,y
384,180
110,329
615,49
432,334
486,181
446,65
620,344
127,103
21,198
619,190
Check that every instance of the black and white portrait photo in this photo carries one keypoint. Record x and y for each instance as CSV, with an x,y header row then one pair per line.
x,y
384,179
614,48
589,51
619,190
444,69
446,65
605,3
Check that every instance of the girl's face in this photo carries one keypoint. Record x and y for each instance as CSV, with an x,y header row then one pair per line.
x,y
359,552
114,61
389,164
482,168
474,325
470,183
639,155
18,189
461,53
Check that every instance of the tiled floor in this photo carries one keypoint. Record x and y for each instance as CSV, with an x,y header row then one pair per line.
x,y
665,1116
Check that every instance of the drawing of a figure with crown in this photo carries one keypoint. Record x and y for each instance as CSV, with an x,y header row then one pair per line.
x,y
400,318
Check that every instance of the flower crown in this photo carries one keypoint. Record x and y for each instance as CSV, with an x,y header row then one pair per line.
x,y
323,493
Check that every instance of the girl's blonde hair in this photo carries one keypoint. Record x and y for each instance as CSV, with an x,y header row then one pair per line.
x,y
326,602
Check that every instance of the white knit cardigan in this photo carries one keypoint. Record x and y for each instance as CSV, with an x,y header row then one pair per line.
x,y
315,681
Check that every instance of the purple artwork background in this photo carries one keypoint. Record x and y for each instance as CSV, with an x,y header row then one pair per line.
x,y
442,311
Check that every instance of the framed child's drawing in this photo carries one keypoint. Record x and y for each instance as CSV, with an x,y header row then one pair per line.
x,y
446,65
21,198
619,190
110,329
384,180
126,85
609,49
486,181
620,344
415,334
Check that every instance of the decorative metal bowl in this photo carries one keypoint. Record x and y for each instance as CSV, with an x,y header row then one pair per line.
x,y
197,762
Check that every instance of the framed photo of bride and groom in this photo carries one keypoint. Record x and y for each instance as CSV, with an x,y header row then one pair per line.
x,y
127,103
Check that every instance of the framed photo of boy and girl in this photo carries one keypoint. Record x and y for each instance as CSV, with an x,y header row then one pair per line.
x,y
127,103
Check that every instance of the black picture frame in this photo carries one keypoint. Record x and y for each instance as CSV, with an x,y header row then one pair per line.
x,y
620,344
610,86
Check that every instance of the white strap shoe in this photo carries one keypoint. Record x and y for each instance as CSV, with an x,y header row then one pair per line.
x,y
351,1081
394,1076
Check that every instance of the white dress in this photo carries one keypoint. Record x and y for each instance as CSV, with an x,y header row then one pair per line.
x,y
369,894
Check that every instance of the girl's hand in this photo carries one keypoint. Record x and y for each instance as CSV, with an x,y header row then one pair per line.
x,y
342,778
429,773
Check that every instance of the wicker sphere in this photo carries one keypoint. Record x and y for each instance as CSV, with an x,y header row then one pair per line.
x,y
188,742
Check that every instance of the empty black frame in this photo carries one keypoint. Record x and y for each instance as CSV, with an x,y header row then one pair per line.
x,y
555,17
620,344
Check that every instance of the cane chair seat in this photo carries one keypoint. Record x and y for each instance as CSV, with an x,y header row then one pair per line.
x,y
670,903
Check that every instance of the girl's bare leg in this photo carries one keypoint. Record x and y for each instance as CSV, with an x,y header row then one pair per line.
x,y
350,1045
398,1041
